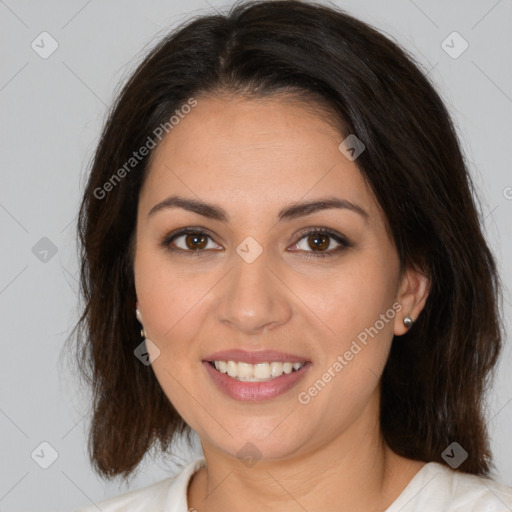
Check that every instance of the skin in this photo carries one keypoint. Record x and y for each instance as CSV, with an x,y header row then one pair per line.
x,y
252,158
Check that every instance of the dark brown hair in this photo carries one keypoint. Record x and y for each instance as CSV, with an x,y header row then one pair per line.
x,y
434,383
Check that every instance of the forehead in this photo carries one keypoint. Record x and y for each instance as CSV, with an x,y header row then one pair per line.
x,y
262,153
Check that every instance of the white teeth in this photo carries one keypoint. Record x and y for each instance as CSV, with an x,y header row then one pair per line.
x,y
256,372
276,369
287,367
232,369
244,370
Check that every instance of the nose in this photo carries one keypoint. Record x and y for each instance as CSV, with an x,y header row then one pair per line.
x,y
254,297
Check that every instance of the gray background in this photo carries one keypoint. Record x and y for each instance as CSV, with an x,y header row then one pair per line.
x,y
52,112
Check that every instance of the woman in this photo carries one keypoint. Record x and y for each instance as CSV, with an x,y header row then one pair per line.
x,y
279,205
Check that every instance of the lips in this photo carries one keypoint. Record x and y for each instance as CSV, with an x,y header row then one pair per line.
x,y
255,391
263,356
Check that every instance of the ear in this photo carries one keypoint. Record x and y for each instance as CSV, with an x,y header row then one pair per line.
x,y
412,294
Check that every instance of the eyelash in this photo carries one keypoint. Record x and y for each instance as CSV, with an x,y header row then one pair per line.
x,y
344,243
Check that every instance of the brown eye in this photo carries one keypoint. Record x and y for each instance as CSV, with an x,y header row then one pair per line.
x,y
195,241
319,241
189,241
313,243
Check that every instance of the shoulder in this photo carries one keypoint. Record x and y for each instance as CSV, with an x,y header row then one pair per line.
x,y
146,498
169,494
437,487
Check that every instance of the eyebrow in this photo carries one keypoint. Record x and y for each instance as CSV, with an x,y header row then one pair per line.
x,y
288,213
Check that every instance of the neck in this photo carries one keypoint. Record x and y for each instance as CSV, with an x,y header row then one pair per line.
x,y
354,471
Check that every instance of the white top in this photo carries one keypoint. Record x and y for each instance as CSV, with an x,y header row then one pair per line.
x,y
435,488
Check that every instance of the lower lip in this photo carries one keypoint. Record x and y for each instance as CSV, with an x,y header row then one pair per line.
x,y
255,391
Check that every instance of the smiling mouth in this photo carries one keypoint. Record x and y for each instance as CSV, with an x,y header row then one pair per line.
x,y
259,372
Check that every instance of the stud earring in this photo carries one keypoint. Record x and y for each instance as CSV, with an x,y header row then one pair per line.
x,y
146,351
139,318
408,322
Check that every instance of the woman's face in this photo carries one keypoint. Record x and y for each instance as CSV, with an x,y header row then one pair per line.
x,y
256,281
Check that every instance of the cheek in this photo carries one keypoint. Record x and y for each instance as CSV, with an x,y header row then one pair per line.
x,y
351,299
170,304
356,308
353,353
167,298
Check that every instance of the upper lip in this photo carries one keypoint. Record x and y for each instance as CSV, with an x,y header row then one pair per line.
x,y
261,356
